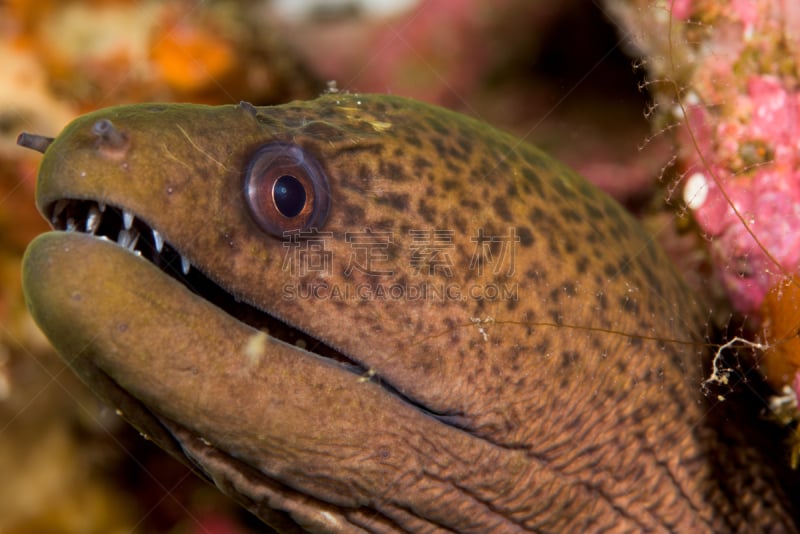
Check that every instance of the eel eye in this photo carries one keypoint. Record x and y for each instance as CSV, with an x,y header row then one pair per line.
x,y
286,189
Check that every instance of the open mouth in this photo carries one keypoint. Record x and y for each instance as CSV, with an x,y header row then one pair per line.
x,y
119,226
122,227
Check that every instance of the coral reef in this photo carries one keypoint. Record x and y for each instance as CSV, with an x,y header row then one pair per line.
x,y
725,81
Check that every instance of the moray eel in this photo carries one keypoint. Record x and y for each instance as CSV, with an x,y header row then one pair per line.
x,y
365,313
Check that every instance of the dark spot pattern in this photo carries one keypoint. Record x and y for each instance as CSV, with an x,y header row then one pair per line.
x,y
526,238
441,151
532,178
420,165
394,172
426,211
501,208
581,264
398,201
590,285
630,305
569,358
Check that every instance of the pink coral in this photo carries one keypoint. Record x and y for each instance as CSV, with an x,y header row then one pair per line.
x,y
729,73
756,160
681,9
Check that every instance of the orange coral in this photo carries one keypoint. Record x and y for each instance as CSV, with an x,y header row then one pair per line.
x,y
781,311
191,58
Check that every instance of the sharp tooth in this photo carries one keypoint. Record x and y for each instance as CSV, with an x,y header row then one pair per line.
x,y
158,241
134,240
102,206
93,220
124,238
127,219
71,225
57,209
128,239
185,265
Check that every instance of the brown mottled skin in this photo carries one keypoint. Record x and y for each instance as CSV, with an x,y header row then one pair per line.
x,y
576,407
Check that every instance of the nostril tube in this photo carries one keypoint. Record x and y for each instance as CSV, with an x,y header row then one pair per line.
x,y
35,142
108,134
111,141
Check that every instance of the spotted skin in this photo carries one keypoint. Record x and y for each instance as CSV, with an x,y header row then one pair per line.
x,y
570,403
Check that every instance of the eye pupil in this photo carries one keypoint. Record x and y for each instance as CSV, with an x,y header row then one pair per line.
x,y
289,196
